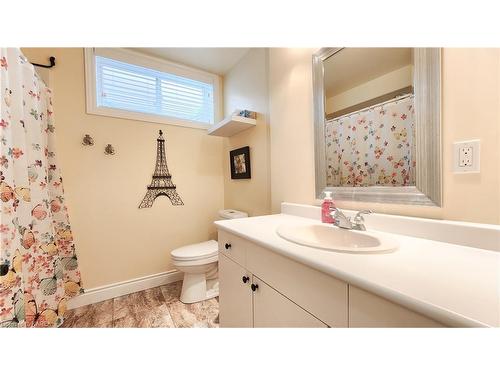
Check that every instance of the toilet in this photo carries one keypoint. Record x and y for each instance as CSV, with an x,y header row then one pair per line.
x,y
198,262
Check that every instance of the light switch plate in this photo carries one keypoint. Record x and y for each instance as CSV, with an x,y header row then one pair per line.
x,y
466,156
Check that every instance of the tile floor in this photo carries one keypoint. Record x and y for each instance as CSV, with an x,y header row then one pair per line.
x,y
151,308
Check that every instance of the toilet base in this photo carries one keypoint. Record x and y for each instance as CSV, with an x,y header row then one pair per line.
x,y
196,288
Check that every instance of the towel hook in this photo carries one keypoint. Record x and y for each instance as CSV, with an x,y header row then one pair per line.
x,y
52,60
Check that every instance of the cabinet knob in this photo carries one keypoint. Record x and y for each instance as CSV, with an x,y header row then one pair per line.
x,y
227,246
245,279
254,287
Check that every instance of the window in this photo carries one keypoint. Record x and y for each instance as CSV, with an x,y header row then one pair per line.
x,y
122,83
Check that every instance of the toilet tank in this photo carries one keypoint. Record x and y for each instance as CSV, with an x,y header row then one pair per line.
x,y
231,214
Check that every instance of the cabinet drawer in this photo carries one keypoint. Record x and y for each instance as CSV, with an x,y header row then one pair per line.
x,y
233,247
320,294
272,309
368,310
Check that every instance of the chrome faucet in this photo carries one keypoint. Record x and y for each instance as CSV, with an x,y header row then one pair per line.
x,y
340,220
345,222
359,220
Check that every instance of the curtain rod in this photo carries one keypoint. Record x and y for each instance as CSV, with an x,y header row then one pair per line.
x,y
373,106
52,60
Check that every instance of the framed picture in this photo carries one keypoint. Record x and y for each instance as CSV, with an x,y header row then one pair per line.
x,y
239,160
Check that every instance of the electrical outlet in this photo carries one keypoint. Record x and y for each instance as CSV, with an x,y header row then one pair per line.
x,y
466,156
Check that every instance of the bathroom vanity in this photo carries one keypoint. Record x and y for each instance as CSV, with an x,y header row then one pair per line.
x,y
267,281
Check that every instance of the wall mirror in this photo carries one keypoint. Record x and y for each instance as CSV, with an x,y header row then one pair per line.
x,y
377,122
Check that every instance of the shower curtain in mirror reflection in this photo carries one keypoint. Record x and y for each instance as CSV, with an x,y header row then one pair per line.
x,y
39,269
373,147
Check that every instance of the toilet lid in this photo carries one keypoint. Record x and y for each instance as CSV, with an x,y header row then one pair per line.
x,y
200,250
232,214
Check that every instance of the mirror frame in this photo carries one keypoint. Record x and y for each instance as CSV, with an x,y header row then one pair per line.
x,y
427,88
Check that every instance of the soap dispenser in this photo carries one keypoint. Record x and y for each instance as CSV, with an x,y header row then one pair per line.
x,y
326,207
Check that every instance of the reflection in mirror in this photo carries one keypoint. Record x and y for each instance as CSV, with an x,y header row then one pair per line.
x,y
377,124
370,127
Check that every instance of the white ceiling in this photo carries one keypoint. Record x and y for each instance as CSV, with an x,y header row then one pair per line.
x,y
351,67
213,60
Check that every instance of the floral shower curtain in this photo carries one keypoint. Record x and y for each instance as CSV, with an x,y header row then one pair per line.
x,y
373,147
38,265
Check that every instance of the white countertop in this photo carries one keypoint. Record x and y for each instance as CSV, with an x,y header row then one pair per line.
x,y
453,284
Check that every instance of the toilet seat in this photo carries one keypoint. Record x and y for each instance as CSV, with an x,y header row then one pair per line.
x,y
204,251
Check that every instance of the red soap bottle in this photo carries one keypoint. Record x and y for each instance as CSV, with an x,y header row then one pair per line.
x,y
327,206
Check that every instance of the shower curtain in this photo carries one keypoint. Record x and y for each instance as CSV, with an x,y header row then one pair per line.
x,y
38,264
373,147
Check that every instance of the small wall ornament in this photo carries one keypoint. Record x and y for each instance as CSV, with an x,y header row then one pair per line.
x,y
88,140
109,149
161,183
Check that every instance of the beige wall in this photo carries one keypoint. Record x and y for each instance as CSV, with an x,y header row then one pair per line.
x,y
291,125
246,87
471,98
115,240
498,133
392,81
471,95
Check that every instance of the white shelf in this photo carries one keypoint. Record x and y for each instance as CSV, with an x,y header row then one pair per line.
x,y
231,126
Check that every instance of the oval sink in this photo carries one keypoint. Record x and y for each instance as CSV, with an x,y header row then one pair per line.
x,y
331,238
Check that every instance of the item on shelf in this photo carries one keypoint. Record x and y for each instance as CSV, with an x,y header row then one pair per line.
x,y
246,113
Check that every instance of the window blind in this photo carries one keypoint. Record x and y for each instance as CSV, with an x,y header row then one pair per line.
x,y
135,88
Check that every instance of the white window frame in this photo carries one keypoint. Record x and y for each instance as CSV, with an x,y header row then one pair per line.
x,y
140,59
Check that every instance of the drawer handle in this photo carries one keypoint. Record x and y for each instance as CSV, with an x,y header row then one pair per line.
x,y
245,279
227,246
254,287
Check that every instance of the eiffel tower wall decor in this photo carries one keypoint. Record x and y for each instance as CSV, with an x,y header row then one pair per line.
x,y
161,184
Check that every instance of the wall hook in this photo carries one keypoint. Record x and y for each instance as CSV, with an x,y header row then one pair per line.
x,y
88,140
109,149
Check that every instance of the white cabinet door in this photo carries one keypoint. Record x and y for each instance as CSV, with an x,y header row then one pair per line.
x,y
320,294
272,309
235,295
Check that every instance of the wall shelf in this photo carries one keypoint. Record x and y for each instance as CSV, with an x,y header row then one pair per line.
x,y
231,125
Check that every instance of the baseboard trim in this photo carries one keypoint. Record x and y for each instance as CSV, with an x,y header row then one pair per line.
x,y
122,288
